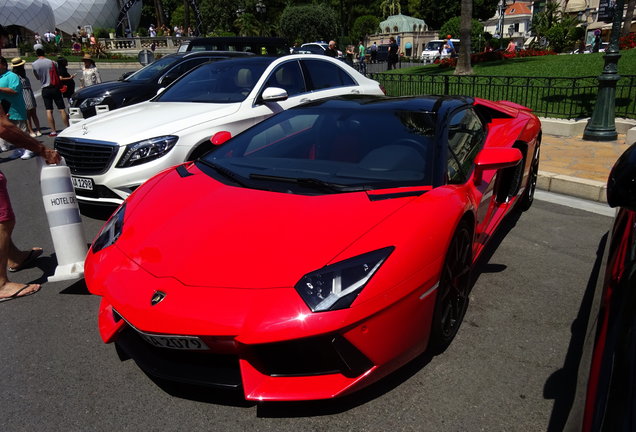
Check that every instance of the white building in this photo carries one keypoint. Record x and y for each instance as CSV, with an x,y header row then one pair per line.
x,y
516,22
40,16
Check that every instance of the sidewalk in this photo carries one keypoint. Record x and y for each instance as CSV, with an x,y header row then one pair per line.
x,y
572,166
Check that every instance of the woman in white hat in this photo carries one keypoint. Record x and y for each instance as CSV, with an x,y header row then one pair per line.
x,y
17,66
90,74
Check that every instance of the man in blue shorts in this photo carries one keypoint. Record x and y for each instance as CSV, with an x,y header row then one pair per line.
x,y
42,71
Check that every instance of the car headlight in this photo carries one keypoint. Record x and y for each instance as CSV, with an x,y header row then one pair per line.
x,y
89,102
146,150
111,231
336,286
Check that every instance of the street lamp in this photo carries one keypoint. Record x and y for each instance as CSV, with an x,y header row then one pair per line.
x,y
260,10
602,126
501,9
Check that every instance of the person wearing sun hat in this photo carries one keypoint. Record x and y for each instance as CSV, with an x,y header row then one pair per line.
x,y
11,91
90,74
17,66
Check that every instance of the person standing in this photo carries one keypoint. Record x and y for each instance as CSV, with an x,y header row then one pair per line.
x,y
349,54
67,80
11,91
90,74
596,46
12,258
374,52
451,46
362,58
33,122
42,69
392,58
331,50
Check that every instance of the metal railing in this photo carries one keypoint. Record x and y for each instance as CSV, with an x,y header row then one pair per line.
x,y
568,98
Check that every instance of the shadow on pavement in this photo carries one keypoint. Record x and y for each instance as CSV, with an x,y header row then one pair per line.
x,y
77,288
561,385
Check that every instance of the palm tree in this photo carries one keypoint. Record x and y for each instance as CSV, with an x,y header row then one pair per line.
x,y
629,16
463,62
247,24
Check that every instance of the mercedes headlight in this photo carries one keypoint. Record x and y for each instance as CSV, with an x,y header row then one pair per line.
x,y
336,286
111,231
146,150
89,102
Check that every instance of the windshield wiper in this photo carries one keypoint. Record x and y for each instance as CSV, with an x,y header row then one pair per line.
x,y
312,183
224,171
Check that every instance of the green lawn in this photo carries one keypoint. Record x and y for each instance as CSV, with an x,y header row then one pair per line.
x,y
563,86
565,65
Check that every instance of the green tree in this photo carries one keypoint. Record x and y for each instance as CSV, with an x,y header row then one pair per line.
x,y
247,24
437,13
563,35
549,16
452,27
365,25
308,23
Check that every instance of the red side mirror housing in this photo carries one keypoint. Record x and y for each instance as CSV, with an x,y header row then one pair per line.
x,y
220,137
494,159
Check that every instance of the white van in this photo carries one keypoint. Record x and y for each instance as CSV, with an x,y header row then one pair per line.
x,y
434,50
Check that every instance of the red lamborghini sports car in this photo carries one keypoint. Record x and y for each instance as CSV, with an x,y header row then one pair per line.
x,y
317,251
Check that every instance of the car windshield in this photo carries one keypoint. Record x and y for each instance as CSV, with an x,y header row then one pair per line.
x,y
224,81
154,70
317,150
434,45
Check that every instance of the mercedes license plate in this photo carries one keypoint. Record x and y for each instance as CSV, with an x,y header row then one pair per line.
x,y
82,183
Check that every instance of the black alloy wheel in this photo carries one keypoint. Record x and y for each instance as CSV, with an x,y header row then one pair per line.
x,y
454,287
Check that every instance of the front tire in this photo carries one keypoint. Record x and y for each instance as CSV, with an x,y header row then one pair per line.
x,y
452,294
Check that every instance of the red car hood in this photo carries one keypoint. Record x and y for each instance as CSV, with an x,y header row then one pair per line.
x,y
205,233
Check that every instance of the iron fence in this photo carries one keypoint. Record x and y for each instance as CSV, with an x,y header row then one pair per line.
x,y
547,96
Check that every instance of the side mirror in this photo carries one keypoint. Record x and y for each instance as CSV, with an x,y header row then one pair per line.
x,y
621,185
274,94
220,137
494,159
167,79
160,90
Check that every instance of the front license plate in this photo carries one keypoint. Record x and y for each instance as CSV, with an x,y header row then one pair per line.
x,y
82,183
175,342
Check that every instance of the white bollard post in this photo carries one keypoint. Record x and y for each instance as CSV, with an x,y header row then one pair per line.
x,y
65,223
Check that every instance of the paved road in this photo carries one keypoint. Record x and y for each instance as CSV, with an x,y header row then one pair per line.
x,y
509,369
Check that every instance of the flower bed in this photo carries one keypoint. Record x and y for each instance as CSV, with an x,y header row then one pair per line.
x,y
494,56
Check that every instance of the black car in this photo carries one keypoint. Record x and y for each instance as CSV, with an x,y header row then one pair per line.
x,y
144,83
605,398
257,45
382,52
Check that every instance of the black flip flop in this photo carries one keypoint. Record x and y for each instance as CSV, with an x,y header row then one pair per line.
x,y
33,255
16,296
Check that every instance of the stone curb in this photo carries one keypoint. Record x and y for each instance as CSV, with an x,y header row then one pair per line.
x,y
591,190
